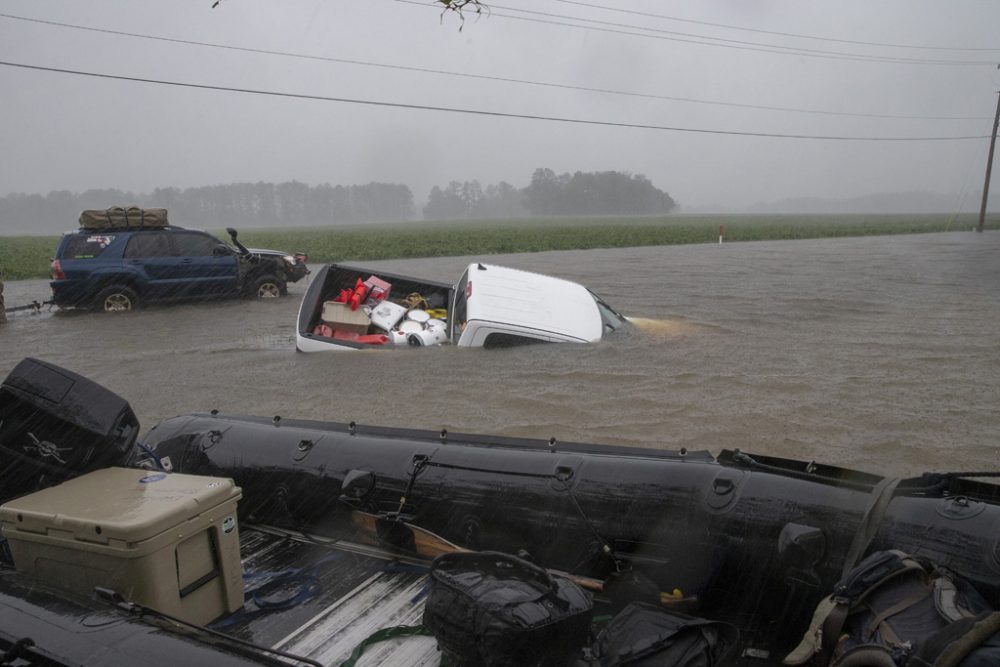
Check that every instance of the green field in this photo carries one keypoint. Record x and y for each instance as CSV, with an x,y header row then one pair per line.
x,y
28,256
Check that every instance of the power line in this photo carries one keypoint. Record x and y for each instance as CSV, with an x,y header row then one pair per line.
x,y
476,112
775,32
735,44
424,70
670,35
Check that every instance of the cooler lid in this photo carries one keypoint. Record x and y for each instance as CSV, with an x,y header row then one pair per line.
x,y
116,503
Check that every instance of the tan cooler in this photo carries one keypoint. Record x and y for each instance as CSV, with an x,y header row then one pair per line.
x,y
165,541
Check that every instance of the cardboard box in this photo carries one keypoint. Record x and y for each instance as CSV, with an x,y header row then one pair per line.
x,y
165,541
341,318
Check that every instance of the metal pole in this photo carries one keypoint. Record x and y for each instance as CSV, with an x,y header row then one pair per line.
x,y
989,168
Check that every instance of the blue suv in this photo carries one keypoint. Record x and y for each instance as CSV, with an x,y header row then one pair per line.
x,y
116,270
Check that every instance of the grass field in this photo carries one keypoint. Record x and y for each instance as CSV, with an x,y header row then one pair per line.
x,y
28,256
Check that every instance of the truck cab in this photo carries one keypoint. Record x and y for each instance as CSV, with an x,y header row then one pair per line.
x,y
495,306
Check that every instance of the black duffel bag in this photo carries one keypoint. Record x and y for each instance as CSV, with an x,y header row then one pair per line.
x,y
644,635
497,610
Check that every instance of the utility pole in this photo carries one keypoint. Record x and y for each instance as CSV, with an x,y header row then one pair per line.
x,y
989,168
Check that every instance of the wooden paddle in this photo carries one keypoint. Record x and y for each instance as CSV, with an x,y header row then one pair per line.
x,y
430,545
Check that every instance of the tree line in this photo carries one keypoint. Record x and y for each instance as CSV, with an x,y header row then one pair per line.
x,y
583,193
236,204
297,204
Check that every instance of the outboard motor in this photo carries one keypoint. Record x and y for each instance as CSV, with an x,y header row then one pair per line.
x,y
55,425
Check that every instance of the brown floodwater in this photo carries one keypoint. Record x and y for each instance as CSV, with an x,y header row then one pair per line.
x,y
879,353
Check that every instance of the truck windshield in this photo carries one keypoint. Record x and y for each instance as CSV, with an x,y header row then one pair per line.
x,y
610,318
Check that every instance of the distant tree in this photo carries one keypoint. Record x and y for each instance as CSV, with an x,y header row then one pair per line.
x,y
503,200
594,193
545,194
446,204
469,200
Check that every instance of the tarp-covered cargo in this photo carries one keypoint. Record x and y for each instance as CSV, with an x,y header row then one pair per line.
x,y
119,217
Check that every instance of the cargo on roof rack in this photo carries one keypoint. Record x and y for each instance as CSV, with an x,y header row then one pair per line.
x,y
118,217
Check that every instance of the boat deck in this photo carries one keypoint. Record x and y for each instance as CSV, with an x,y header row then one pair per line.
x,y
355,591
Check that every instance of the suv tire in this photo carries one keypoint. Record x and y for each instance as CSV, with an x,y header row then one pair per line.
x,y
116,299
266,287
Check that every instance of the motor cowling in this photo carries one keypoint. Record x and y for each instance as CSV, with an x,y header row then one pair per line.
x,y
55,425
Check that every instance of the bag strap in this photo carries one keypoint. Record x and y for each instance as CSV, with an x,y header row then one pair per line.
x,y
952,644
878,623
870,520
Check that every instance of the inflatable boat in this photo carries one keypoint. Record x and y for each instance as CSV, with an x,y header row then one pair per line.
x,y
340,521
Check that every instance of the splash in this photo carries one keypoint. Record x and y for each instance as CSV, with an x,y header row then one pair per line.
x,y
664,327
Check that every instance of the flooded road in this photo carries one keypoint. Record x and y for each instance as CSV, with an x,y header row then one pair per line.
x,y
879,353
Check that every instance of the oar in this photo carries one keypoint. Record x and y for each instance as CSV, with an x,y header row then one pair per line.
x,y
430,545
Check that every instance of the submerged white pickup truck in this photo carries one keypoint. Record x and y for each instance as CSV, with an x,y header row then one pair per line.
x,y
350,308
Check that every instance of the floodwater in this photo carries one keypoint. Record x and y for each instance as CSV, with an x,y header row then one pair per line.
x,y
878,353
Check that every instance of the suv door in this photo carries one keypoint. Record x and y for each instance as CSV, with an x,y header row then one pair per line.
x,y
149,257
206,270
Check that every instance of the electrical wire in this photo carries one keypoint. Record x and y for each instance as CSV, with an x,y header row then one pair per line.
x,y
487,77
626,29
478,112
775,32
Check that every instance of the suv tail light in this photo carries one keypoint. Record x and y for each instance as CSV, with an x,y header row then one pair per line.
x,y
57,272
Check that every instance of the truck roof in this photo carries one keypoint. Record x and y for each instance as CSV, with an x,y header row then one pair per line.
x,y
533,300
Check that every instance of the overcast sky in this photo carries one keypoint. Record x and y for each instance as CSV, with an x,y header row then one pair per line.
x,y
70,132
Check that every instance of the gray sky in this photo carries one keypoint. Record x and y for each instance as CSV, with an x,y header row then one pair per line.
x,y
60,131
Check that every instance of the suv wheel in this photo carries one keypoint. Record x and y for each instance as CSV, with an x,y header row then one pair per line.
x,y
267,287
116,299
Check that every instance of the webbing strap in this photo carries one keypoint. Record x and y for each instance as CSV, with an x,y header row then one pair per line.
x,y
386,634
878,623
831,628
882,496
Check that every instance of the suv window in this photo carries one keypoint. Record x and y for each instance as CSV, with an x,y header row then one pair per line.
x,y
193,244
87,246
150,244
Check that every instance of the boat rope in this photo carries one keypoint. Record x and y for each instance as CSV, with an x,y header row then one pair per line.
x,y
422,461
605,545
386,634
304,580
120,602
750,462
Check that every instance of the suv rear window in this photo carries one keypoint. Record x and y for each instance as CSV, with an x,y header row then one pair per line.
x,y
87,246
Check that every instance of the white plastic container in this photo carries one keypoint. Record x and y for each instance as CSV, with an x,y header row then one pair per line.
x,y
387,314
427,337
410,327
420,316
